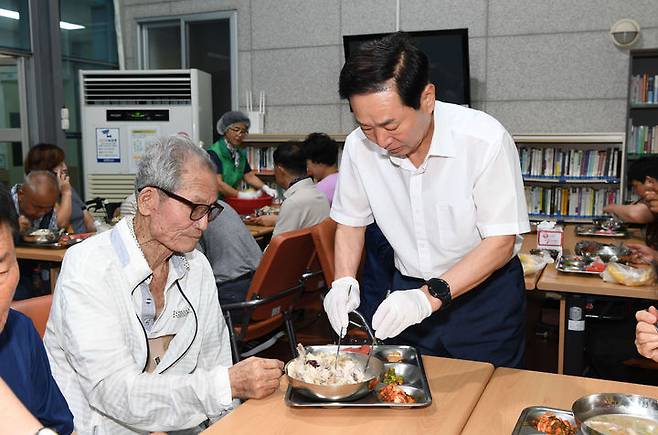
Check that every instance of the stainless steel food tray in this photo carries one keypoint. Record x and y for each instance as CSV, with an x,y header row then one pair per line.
x,y
561,268
526,424
591,230
50,245
409,356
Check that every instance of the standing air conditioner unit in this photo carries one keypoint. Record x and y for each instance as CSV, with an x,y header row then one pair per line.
x,y
122,111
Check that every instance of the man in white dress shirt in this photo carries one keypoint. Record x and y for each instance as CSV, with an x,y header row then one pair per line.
x,y
443,183
136,338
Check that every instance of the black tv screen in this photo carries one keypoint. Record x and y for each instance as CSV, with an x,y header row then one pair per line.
x,y
447,51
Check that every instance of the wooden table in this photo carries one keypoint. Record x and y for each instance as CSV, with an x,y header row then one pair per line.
x,y
56,256
509,391
569,285
52,255
41,254
259,231
552,279
456,386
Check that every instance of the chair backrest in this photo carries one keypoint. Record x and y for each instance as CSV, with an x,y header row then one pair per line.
x,y
324,235
281,268
37,309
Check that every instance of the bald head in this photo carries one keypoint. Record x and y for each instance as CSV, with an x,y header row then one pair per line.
x,y
38,194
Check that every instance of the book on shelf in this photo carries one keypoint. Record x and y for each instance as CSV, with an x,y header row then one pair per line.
x,y
558,201
643,89
260,158
572,163
642,139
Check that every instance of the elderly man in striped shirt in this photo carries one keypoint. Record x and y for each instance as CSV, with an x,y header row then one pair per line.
x,y
136,338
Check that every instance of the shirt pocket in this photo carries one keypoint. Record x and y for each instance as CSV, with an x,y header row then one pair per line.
x,y
456,223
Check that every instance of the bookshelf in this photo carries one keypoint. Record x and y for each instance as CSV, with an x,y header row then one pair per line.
x,y
642,108
571,177
580,172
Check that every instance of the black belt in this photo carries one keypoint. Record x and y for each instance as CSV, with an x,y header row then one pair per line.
x,y
239,278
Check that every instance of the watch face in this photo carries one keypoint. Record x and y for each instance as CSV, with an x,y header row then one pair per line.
x,y
440,289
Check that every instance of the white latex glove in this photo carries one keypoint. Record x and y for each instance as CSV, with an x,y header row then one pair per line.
x,y
400,310
269,191
338,303
248,195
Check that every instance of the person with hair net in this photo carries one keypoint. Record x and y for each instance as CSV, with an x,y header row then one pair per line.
x,y
231,159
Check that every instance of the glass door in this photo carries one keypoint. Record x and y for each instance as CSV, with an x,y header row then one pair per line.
x,y
13,119
204,41
210,50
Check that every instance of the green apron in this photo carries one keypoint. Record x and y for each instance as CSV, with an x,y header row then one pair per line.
x,y
231,174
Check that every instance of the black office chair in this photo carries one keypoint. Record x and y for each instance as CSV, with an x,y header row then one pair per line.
x,y
102,205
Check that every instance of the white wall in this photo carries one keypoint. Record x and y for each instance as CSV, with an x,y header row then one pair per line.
x,y
536,65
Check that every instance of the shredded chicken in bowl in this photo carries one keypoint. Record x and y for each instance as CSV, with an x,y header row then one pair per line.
x,y
321,368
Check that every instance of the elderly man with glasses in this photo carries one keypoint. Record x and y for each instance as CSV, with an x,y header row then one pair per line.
x,y
136,338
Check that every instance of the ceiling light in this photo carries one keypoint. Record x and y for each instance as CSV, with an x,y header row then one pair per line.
x,y
9,14
70,26
62,24
625,32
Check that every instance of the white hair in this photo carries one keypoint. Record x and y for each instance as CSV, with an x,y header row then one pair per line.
x,y
162,162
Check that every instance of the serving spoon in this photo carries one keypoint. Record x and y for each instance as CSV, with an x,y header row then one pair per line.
x,y
340,336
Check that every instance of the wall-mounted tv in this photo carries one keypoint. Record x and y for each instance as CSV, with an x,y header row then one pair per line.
x,y
447,51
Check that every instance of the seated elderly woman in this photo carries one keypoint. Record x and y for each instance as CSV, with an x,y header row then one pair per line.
x,y
24,364
129,359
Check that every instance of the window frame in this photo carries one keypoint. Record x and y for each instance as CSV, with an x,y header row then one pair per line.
x,y
143,25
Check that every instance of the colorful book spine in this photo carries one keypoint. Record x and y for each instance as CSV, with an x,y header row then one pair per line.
x,y
643,88
642,139
573,202
571,163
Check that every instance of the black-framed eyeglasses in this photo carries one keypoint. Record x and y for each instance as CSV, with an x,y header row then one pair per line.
x,y
238,130
197,211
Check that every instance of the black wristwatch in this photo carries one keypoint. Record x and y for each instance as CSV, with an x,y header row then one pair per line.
x,y
440,289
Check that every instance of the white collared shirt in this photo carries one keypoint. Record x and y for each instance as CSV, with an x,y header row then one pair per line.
x,y
175,310
97,345
468,188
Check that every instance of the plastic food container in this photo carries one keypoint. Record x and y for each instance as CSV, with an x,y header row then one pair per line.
x,y
247,206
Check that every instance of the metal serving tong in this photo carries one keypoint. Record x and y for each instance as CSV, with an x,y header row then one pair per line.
x,y
340,336
374,340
